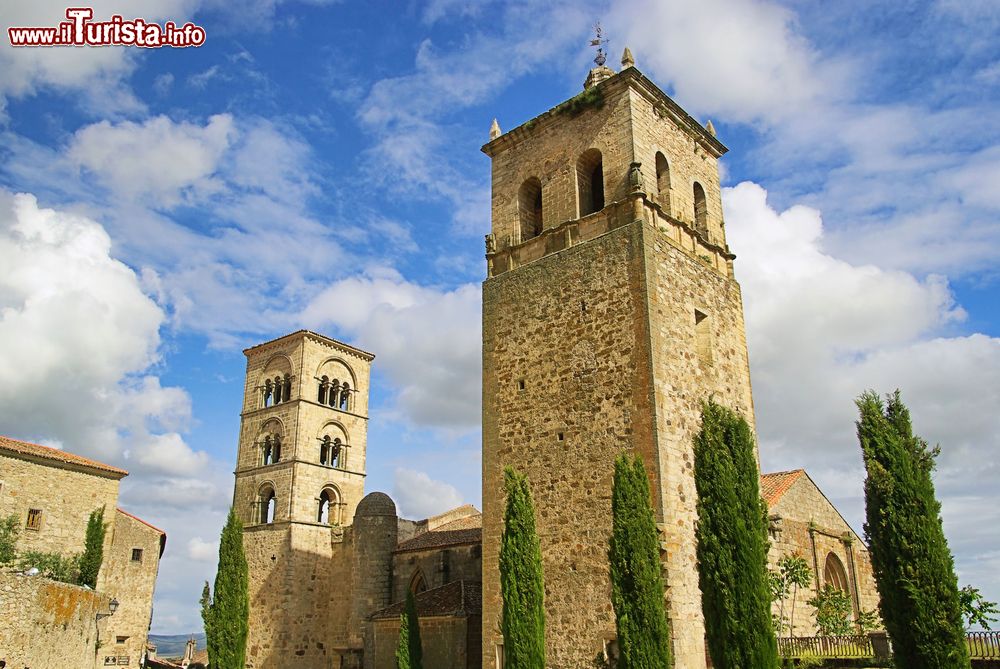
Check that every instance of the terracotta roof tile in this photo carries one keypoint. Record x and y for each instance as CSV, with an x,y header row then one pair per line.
x,y
441,538
455,598
773,486
467,523
56,455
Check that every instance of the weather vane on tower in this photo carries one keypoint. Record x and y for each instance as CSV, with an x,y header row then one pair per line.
x,y
600,42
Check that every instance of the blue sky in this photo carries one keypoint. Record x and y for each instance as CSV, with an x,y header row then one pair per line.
x,y
316,164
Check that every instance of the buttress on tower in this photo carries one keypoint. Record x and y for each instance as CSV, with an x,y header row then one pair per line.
x,y
299,478
610,312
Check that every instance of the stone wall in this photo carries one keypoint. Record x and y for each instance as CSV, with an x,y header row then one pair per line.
x,y
445,641
808,525
48,624
439,566
132,582
66,497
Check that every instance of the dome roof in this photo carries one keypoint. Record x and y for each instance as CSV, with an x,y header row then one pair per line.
x,y
376,504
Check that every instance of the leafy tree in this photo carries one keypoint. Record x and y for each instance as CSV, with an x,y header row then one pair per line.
x,y
636,584
833,611
521,579
793,573
732,543
913,568
976,609
93,548
65,569
869,621
409,653
10,529
226,615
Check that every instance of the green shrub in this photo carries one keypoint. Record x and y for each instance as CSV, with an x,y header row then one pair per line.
x,y
10,529
51,565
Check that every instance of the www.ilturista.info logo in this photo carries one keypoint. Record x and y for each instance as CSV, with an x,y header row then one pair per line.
x,y
79,30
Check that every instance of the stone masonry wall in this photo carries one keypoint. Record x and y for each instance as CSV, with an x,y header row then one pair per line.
x,y
66,497
132,582
439,566
48,624
444,640
811,527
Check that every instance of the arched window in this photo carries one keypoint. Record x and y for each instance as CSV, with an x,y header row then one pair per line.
x,y
268,504
329,507
324,387
276,449
331,451
288,387
267,452
529,208
663,182
700,209
417,582
590,182
278,388
334,399
834,573
345,396
268,393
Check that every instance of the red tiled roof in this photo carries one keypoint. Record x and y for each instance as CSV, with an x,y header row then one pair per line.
x,y
123,511
467,523
56,455
455,598
442,538
773,486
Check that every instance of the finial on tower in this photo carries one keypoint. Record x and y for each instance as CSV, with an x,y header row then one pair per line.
x,y
710,128
627,59
494,130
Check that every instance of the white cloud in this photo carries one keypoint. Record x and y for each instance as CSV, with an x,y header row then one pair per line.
x,y
156,159
202,551
168,453
427,340
78,333
419,496
821,330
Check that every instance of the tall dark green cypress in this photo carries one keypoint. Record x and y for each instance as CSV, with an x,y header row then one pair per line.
x,y
93,549
409,652
226,617
636,584
913,568
732,543
521,580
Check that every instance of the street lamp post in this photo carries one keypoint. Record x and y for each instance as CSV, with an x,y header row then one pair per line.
x,y
112,607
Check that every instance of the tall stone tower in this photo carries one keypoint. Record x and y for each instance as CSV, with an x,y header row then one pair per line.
x,y
610,312
300,475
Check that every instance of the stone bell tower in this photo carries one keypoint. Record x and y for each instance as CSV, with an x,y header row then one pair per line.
x,y
610,311
300,475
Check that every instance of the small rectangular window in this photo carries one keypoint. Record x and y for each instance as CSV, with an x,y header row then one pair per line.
x,y
520,384
34,519
136,555
560,436
121,639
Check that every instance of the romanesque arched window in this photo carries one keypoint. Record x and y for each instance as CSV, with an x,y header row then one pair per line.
x,y
590,182
288,387
267,451
268,504
345,396
663,182
334,397
328,511
331,451
529,208
834,573
700,209
324,388
268,393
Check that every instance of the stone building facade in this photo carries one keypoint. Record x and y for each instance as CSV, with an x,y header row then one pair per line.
x,y
803,522
610,312
52,493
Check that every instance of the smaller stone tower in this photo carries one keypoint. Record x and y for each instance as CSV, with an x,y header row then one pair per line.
x,y
299,478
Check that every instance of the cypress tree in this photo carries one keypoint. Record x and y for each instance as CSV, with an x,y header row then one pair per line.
x,y
521,580
93,549
732,543
913,568
636,584
409,652
226,615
